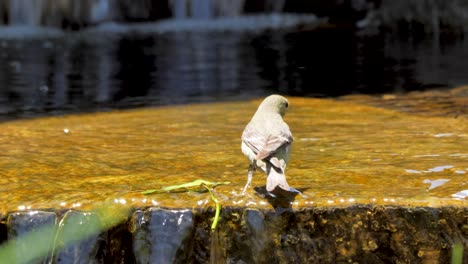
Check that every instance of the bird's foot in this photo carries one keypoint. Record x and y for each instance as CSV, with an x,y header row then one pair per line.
x,y
291,189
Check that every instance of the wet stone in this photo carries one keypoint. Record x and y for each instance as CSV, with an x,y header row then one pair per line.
x,y
89,250
256,236
353,234
119,246
356,234
162,236
21,223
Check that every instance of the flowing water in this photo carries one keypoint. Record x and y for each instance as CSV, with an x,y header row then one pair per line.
x,y
343,154
197,89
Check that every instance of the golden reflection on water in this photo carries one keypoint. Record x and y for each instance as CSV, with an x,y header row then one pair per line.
x,y
342,154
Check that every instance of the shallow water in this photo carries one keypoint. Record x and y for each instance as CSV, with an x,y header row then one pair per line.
x,y
342,154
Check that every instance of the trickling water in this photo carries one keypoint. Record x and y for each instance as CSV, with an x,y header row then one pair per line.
x,y
100,11
201,9
86,12
179,9
162,236
342,154
24,12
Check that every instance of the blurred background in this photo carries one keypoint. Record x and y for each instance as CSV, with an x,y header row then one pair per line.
x,y
67,56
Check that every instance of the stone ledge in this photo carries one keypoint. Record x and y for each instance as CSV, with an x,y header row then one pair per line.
x,y
360,233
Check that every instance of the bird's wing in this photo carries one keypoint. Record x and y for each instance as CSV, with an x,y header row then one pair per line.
x,y
264,146
271,145
253,139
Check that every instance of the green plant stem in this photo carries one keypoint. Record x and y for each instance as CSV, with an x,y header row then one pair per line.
x,y
187,186
217,210
190,186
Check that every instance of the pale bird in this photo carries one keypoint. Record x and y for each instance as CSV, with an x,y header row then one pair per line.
x,y
266,142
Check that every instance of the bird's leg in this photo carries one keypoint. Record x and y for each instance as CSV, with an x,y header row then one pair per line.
x,y
249,177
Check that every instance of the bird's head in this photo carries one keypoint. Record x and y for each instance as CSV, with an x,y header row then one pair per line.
x,y
275,103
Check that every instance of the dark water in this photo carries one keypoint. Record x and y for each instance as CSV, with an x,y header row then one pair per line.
x,y
100,70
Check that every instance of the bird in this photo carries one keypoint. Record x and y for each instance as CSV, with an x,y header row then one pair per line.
x,y
266,142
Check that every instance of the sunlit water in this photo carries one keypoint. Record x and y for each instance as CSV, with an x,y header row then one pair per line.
x,y
342,154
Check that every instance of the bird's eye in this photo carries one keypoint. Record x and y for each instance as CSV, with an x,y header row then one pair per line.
x,y
286,105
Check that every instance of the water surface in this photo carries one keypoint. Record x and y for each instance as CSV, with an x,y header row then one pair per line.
x,y
342,154
51,72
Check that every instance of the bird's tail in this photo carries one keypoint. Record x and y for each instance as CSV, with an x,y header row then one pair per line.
x,y
276,177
